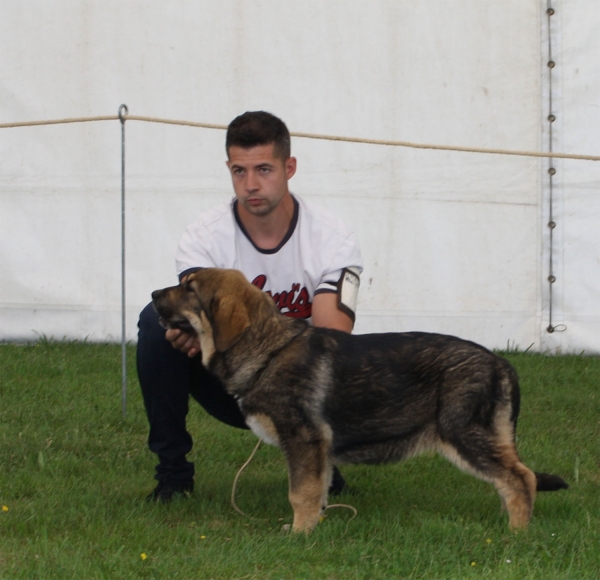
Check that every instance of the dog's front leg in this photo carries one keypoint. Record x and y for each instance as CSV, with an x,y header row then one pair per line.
x,y
309,472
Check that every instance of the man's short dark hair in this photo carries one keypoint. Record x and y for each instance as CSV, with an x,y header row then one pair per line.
x,y
259,128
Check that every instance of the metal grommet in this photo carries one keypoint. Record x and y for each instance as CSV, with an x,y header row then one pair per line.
x,y
551,225
551,64
551,279
551,118
550,12
550,329
552,171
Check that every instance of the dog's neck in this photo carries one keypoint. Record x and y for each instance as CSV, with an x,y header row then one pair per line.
x,y
240,366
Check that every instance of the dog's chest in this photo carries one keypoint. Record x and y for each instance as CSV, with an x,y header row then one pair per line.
x,y
262,426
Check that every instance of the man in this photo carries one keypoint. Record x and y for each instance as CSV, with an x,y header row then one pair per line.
x,y
297,253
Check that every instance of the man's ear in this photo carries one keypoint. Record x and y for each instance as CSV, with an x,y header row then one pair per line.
x,y
290,165
230,320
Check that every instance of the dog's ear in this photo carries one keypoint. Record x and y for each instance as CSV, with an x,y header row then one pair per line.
x,y
230,320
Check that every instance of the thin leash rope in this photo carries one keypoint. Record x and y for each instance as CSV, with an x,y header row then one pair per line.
x,y
385,142
243,467
237,476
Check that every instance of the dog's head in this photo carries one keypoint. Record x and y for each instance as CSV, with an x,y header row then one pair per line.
x,y
211,300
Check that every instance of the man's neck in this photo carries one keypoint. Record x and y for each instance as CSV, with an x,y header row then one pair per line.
x,y
268,231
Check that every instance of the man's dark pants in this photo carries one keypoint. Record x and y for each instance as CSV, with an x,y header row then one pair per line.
x,y
168,377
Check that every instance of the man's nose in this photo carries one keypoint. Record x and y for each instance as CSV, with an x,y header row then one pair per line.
x,y
251,181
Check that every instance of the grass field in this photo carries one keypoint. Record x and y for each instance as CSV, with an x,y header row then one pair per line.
x,y
74,474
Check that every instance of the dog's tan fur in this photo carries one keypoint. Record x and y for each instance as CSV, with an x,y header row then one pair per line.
x,y
329,398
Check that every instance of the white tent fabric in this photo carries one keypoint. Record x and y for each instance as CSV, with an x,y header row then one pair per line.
x,y
453,242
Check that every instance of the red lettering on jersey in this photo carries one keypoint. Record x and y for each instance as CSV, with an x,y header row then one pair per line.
x,y
294,303
260,281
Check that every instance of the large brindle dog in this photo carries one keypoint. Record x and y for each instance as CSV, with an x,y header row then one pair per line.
x,y
327,398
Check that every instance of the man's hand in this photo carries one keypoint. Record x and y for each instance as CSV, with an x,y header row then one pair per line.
x,y
186,343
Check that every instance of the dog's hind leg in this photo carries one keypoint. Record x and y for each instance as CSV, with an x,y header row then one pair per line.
x,y
477,433
501,466
516,485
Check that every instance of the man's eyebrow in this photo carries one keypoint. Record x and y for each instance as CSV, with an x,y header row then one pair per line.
x,y
258,166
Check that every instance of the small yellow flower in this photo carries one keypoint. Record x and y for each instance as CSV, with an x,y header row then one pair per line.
x,y
143,556
203,537
4,508
473,563
488,541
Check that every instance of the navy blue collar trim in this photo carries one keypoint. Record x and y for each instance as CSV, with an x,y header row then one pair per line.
x,y
285,239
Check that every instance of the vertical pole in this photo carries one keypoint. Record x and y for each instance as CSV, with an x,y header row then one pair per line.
x,y
123,111
551,170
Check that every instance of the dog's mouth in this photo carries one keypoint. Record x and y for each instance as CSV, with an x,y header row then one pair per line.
x,y
178,323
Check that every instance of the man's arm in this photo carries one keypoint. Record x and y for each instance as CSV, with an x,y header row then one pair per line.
x,y
326,314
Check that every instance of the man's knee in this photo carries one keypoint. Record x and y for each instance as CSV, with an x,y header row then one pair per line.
x,y
155,355
149,321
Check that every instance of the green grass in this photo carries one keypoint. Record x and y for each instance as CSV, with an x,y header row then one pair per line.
x,y
74,474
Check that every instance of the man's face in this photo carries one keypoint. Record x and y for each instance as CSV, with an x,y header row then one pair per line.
x,y
260,180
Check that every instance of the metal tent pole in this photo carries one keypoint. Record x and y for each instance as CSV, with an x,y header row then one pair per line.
x,y
123,110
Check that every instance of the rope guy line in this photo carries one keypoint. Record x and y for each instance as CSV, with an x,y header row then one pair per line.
x,y
384,142
58,121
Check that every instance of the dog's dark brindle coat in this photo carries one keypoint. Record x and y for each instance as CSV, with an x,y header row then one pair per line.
x,y
326,397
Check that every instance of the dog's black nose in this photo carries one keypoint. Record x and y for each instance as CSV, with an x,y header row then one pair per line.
x,y
157,294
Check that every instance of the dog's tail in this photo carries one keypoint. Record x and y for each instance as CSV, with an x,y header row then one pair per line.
x,y
550,482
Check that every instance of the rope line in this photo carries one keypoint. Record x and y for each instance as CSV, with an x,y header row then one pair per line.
x,y
235,481
58,121
384,142
345,506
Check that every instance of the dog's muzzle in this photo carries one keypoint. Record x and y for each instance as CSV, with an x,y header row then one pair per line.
x,y
165,318
180,324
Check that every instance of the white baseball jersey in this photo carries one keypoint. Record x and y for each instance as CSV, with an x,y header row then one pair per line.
x,y
310,259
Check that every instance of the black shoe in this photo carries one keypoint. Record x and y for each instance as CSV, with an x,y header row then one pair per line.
x,y
338,483
166,491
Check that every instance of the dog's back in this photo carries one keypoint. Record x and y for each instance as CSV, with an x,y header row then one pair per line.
x,y
394,395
